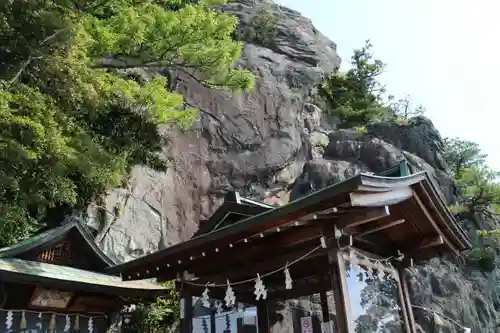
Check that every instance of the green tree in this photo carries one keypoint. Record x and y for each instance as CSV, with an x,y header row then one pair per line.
x,y
404,109
262,28
460,154
478,189
72,120
476,184
158,316
357,96
478,198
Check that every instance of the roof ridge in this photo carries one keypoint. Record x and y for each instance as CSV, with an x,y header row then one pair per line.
x,y
48,235
33,241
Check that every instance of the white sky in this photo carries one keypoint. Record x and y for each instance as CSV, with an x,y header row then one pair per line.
x,y
443,53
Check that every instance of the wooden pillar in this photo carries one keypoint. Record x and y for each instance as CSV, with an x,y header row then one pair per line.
x,y
404,308
239,325
406,302
338,277
325,312
213,329
186,313
262,317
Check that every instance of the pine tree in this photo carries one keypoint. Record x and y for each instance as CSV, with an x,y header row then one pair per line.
x,y
72,122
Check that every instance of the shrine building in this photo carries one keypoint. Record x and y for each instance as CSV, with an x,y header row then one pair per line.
x,y
57,281
251,265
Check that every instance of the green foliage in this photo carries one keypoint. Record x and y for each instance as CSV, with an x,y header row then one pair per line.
x,y
479,189
262,29
476,184
158,316
16,224
357,97
478,194
461,154
72,123
360,130
482,258
264,26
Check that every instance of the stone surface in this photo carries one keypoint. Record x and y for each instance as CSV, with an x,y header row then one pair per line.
x,y
273,144
256,142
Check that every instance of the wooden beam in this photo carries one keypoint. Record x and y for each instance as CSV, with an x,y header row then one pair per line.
x,y
406,297
325,311
252,251
430,242
262,265
404,308
213,328
433,223
215,293
358,217
262,317
381,249
345,323
415,245
187,313
302,286
299,290
381,198
379,228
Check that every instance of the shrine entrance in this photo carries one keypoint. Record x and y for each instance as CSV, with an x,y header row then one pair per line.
x,y
334,261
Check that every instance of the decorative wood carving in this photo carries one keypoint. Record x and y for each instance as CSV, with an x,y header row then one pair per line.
x,y
48,298
58,254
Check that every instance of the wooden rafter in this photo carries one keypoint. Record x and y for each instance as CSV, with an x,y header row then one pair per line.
x,y
433,223
379,228
356,217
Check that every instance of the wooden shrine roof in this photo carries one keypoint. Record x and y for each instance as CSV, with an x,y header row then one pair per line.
x,y
73,279
45,238
234,208
383,215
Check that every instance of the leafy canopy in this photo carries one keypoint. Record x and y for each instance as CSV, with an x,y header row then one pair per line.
x,y
73,118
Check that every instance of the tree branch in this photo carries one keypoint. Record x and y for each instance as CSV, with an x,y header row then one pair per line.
x,y
31,58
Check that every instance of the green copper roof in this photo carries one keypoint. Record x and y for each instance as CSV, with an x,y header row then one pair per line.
x,y
18,270
49,235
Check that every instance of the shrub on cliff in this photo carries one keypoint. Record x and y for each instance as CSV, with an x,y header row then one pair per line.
x,y
262,29
357,97
478,198
72,122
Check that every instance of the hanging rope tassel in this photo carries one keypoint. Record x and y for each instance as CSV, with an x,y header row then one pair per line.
x,y
77,323
52,324
23,325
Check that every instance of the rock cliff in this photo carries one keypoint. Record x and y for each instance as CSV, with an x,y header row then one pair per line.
x,y
274,144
